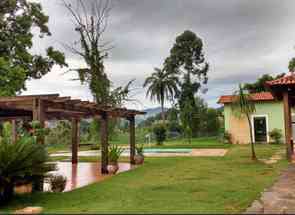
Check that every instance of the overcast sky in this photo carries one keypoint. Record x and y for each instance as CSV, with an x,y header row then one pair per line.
x,y
242,40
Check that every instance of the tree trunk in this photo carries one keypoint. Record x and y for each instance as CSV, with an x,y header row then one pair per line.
x,y
251,138
6,194
163,113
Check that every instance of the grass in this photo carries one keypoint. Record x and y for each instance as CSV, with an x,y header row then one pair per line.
x,y
170,185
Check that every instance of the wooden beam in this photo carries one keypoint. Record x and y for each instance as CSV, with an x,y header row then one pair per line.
x,y
75,139
104,142
39,115
14,130
288,126
132,138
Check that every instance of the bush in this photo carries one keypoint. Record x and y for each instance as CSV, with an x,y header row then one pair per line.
x,y
139,149
22,161
227,137
57,183
159,131
115,153
276,135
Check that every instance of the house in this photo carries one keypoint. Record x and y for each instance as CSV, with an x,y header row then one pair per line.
x,y
269,115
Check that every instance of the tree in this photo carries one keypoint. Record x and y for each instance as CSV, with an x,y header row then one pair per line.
x,y
187,61
18,18
291,65
243,106
259,85
161,86
90,21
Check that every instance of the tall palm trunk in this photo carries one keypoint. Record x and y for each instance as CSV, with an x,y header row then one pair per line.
x,y
251,138
162,111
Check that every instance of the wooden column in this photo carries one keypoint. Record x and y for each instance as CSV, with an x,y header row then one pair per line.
x,y
14,130
288,126
75,139
39,115
132,138
104,142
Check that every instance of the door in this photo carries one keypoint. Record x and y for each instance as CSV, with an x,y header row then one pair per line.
x,y
260,131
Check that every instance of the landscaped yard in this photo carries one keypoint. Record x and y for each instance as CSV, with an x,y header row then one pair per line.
x,y
171,185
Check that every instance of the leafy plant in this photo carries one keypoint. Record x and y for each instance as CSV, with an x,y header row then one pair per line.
x,y
276,135
57,183
139,149
244,106
23,161
159,131
114,153
227,137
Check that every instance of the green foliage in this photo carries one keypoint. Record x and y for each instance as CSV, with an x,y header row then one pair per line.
x,y
291,65
17,64
114,153
276,135
61,134
21,161
244,106
159,130
187,61
139,149
162,86
227,137
259,85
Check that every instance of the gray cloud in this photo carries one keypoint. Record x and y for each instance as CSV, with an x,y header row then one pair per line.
x,y
243,39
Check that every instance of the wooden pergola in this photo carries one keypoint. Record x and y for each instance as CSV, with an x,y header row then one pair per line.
x,y
55,107
284,89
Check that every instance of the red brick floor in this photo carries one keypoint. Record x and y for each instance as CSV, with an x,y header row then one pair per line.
x,y
84,173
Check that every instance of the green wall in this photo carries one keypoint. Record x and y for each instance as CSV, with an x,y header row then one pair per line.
x,y
274,111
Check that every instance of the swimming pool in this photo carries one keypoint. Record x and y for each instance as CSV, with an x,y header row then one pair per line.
x,y
156,151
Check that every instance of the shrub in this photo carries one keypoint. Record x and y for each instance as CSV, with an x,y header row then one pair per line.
x,y
159,131
57,183
276,135
115,153
227,137
139,149
22,161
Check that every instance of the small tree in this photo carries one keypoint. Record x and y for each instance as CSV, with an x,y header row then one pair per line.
x,y
243,106
159,131
276,135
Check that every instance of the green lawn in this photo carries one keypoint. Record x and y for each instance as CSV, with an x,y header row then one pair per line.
x,y
171,185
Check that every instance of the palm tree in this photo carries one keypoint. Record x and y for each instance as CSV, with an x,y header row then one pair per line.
x,y
243,106
162,86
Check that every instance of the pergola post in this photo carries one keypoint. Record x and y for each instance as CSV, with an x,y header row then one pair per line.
x,y
288,126
132,138
75,139
104,142
14,130
39,115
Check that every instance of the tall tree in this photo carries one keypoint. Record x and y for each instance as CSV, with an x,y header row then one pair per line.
x,y
259,85
161,86
187,60
18,18
243,106
91,19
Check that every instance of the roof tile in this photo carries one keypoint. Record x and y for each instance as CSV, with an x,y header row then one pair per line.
x,y
263,96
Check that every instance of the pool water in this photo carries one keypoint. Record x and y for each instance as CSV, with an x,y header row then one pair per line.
x,y
148,151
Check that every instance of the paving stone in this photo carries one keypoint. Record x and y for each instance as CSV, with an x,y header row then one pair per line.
x,y
280,198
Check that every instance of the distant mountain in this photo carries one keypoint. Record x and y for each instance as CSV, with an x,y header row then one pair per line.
x,y
149,112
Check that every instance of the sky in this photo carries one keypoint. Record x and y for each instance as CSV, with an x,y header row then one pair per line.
x,y
242,40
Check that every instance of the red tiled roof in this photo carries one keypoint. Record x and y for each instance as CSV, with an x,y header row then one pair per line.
x,y
289,79
263,96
